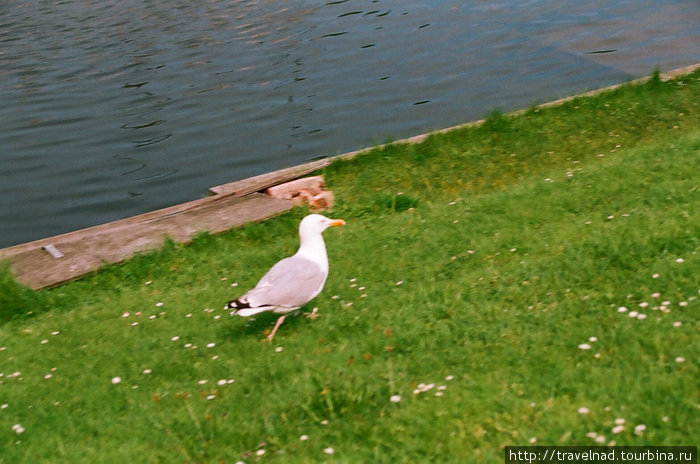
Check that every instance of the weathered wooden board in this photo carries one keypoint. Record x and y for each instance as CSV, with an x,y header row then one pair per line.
x,y
87,250
263,181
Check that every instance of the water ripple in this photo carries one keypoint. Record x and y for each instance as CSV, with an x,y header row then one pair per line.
x,y
111,109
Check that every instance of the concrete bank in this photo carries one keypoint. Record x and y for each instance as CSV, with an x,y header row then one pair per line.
x,y
52,261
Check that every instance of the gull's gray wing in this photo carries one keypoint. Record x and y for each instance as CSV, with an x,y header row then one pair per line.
x,y
290,283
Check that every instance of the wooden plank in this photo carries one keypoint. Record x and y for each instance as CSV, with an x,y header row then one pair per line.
x,y
314,185
263,181
87,250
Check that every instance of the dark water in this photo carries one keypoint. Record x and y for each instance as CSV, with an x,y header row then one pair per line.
x,y
112,108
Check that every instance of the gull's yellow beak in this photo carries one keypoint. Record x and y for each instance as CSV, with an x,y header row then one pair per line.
x,y
337,222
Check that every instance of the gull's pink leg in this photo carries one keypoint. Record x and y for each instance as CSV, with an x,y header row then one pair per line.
x,y
274,330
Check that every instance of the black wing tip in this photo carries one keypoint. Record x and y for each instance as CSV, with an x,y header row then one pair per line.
x,y
238,303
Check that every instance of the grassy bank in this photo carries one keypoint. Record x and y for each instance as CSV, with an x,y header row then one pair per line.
x,y
531,280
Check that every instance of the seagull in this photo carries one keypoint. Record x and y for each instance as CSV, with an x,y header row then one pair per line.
x,y
293,281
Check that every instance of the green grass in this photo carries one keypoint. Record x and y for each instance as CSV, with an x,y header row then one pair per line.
x,y
485,255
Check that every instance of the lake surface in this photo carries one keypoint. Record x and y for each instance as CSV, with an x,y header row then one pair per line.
x,y
113,108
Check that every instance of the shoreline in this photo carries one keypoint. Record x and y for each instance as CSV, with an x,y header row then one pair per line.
x,y
38,265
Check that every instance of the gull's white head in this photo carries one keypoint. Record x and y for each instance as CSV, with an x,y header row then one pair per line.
x,y
317,223
312,246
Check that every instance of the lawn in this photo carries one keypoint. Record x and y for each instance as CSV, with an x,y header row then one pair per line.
x,y
533,280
